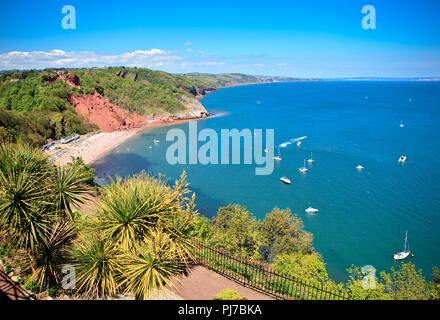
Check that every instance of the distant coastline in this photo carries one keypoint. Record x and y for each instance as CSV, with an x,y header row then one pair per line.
x,y
380,79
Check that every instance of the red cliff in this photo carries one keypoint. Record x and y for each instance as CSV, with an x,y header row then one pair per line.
x,y
104,114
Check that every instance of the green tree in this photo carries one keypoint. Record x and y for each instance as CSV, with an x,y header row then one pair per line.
x,y
234,229
301,266
434,293
359,291
405,283
282,232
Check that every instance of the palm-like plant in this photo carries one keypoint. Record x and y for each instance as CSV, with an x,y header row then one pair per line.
x,y
23,207
69,189
129,207
24,194
180,229
23,157
98,266
152,266
51,253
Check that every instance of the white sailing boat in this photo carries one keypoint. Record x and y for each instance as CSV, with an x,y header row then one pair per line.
x,y
401,124
359,167
311,160
298,143
285,180
405,253
278,157
303,169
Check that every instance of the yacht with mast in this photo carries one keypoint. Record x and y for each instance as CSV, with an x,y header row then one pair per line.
x,y
405,253
304,169
278,157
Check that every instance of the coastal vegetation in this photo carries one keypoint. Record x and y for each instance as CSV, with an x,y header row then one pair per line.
x,y
138,234
33,110
35,105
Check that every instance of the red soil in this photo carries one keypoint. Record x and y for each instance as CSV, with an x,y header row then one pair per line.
x,y
104,114
71,79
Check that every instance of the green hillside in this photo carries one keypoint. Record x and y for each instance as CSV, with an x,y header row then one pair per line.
x,y
34,105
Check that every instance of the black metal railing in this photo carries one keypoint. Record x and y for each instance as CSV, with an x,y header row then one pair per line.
x,y
260,277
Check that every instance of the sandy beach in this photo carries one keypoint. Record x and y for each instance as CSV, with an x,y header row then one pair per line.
x,y
93,146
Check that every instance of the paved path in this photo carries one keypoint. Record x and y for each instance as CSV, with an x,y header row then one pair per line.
x,y
203,284
9,290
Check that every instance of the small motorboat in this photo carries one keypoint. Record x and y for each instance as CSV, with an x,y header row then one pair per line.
x,y
150,147
311,160
304,169
359,167
298,143
405,253
401,124
285,180
402,159
156,141
311,210
265,150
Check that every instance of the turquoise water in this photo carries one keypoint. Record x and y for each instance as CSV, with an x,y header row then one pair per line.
x,y
362,215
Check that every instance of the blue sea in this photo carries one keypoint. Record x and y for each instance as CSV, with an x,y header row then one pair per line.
x,y
363,215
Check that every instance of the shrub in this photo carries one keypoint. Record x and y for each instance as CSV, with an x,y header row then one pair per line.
x,y
32,286
229,294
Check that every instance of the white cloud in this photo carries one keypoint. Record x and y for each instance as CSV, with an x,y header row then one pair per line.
x,y
59,58
188,43
189,50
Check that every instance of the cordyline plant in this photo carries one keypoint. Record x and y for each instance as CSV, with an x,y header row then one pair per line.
x,y
35,208
143,228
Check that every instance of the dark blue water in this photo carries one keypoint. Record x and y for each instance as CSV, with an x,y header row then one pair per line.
x,y
362,215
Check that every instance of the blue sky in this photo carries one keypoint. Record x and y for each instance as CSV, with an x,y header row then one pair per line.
x,y
287,38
